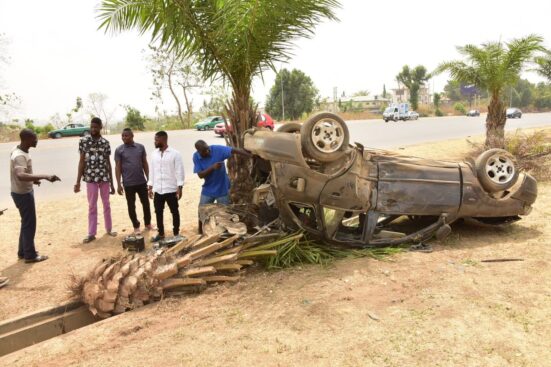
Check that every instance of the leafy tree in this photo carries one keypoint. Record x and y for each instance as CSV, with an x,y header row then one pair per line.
x,y
436,100
542,99
299,94
134,118
180,75
413,79
493,66
384,91
234,40
453,90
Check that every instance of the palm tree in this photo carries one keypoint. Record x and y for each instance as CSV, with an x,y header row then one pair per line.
x,y
233,40
544,66
493,66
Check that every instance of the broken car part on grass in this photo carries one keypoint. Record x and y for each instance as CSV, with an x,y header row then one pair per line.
x,y
355,196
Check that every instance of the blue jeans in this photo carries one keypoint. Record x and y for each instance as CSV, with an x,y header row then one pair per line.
x,y
27,211
224,200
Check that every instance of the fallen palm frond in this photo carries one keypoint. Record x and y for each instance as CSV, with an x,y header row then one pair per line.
x,y
122,283
297,249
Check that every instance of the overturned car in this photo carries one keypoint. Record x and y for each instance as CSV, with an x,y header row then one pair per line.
x,y
351,195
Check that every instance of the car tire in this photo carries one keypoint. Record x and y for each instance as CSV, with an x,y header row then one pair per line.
x,y
496,170
325,137
57,135
290,127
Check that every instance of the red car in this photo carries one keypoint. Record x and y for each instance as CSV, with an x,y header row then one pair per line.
x,y
220,129
263,120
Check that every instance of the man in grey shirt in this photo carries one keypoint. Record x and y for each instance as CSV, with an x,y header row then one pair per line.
x,y
131,164
22,180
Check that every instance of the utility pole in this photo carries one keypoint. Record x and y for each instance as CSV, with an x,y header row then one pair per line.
x,y
282,99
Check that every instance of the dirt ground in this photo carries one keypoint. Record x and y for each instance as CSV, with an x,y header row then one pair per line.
x,y
445,308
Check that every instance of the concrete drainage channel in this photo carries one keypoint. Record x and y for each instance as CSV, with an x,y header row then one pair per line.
x,y
24,331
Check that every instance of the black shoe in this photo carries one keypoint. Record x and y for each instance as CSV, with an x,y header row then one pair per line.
x,y
37,259
157,238
23,257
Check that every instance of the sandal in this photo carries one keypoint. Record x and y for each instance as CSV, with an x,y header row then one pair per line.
x,y
88,239
4,281
112,233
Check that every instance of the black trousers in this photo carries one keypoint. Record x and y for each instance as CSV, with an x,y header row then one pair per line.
x,y
130,192
27,211
159,201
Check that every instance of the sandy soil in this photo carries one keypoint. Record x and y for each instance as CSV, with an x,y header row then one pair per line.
x,y
446,308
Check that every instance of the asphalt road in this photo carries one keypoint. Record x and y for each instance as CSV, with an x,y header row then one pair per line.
x,y
60,156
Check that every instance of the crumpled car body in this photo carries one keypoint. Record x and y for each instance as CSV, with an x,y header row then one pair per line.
x,y
352,200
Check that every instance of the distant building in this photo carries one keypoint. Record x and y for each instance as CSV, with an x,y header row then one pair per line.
x,y
356,104
401,94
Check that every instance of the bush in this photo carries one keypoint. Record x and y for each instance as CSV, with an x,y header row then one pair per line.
x,y
438,113
459,107
46,129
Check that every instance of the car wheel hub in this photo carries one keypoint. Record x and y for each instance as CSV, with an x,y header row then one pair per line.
x,y
500,169
327,136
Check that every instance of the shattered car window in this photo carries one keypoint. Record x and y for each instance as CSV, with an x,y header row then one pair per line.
x,y
305,214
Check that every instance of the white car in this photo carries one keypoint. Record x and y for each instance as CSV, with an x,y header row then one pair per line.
x,y
412,115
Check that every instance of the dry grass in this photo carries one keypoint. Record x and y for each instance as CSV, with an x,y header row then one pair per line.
x,y
446,308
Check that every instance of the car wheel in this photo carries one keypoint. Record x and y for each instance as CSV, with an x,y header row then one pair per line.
x,y
496,170
325,137
57,135
290,127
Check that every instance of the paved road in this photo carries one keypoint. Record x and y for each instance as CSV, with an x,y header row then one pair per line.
x,y
61,156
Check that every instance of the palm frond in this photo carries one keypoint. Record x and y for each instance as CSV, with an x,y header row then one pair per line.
x,y
543,66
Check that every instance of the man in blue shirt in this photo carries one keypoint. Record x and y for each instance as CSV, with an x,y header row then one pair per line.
x,y
208,163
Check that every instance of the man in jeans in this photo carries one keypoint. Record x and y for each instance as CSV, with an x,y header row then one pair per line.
x,y
94,168
22,180
166,179
131,164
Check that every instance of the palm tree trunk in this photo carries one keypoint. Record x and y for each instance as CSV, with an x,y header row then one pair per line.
x,y
495,123
241,114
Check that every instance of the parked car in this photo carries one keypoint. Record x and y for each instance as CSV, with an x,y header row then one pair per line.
x,y
265,120
513,113
209,122
70,130
220,129
360,197
412,115
473,113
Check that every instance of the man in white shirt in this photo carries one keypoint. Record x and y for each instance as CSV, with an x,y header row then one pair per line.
x,y
166,178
